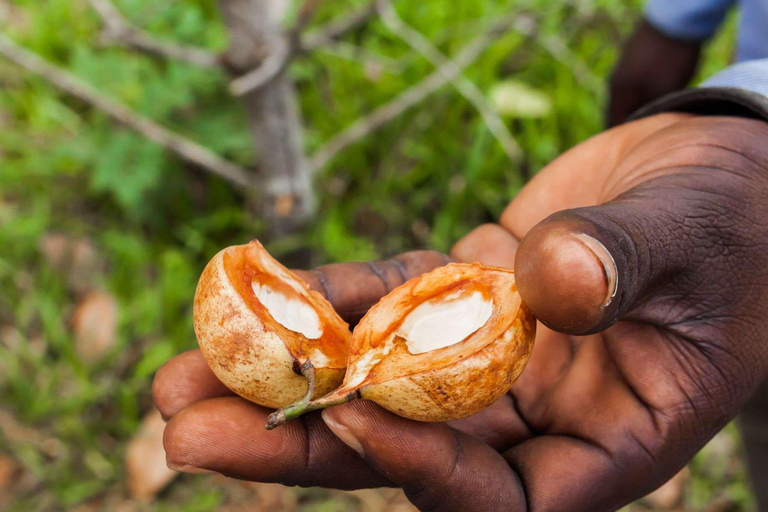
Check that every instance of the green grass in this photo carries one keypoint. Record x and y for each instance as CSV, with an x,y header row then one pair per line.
x,y
424,180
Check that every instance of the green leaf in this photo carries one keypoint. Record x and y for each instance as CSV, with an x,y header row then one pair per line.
x,y
128,167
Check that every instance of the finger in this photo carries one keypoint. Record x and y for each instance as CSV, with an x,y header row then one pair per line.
x,y
489,244
184,380
566,275
354,287
581,270
227,436
439,468
499,426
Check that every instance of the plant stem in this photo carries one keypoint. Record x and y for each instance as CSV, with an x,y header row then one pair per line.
x,y
296,409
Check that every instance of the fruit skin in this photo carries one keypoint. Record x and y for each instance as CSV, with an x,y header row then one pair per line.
x,y
445,384
464,388
245,351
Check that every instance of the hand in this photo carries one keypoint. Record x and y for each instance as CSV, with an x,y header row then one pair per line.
x,y
652,65
676,250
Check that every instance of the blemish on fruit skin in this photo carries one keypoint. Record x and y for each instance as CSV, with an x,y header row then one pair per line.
x,y
248,353
444,383
447,383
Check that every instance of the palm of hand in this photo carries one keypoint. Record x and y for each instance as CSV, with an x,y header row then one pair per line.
x,y
595,420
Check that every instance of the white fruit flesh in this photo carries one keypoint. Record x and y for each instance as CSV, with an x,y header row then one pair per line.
x,y
444,321
292,313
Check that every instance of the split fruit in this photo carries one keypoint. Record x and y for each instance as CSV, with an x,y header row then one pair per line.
x,y
264,333
442,346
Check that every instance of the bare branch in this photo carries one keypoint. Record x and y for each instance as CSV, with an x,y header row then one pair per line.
x,y
285,47
555,46
287,197
121,30
361,55
337,28
257,78
306,12
181,146
410,97
466,88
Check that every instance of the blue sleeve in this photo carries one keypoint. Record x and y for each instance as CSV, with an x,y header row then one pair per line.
x,y
694,20
751,76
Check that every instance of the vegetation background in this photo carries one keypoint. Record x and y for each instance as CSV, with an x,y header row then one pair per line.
x,y
103,234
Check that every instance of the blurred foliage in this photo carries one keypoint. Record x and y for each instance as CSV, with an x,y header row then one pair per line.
x,y
424,180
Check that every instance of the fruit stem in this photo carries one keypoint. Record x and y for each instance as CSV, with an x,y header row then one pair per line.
x,y
296,409
308,371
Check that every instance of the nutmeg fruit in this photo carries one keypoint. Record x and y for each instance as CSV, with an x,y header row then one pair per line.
x,y
264,333
440,347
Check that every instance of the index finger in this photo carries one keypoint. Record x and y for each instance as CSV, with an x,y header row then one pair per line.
x,y
352,288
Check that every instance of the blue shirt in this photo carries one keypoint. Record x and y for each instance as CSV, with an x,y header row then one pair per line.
x,y
699,19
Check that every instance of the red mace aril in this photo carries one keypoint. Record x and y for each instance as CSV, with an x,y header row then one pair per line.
x,y
264,333
440,347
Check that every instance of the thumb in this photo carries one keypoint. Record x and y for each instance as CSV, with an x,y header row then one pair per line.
x,y
439,468
582,270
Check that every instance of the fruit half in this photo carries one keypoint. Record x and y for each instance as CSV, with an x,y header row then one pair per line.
x,y
264,333
440,347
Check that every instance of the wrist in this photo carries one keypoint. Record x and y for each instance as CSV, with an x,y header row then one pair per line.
x,y
740,90
709,101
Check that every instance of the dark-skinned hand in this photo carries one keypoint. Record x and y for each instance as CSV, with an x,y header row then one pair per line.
x,y
645,253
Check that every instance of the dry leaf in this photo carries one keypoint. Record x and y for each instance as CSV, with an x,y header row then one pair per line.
x,y
397,502
383,500
275,497
95,325
145,463
74,257
371,500
9,470
10,337
669,495
241,496
12,16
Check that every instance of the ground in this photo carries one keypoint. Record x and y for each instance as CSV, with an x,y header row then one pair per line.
x,y
104,234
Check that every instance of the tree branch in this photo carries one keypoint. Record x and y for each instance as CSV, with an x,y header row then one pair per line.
x,y
181,146
121,30
463,85
276,61
361,55
286,47
334,29
555,46
410,97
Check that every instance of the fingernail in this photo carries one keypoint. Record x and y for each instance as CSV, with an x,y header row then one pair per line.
x,y
606,261
186,468
342,432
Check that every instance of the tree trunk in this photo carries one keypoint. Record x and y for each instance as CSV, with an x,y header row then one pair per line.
x,y
287,198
